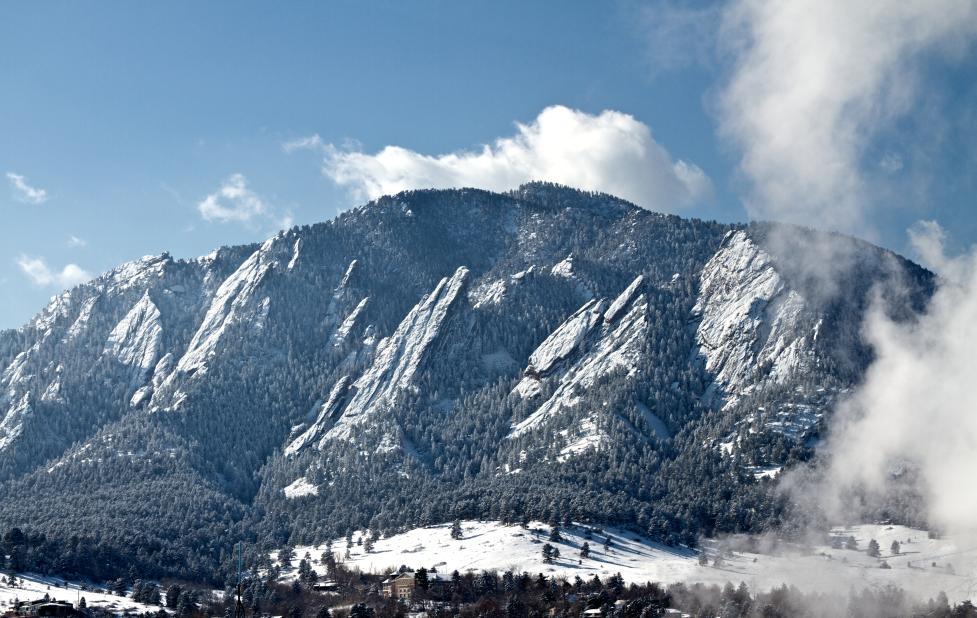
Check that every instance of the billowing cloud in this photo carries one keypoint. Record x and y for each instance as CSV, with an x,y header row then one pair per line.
x,y
24,192
813,83
233,201
37,270
916,406
610,152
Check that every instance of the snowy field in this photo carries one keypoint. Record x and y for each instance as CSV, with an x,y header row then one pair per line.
x,y
32,587
923,567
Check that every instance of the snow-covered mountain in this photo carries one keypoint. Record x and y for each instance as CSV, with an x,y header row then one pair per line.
x,y
431,355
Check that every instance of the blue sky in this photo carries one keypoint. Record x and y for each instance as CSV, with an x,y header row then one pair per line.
x,y
118,120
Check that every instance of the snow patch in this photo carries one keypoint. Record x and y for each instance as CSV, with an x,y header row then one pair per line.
x,y
295,254
300,487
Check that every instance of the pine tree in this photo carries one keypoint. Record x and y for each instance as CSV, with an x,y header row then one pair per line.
x,y
456,530
585,550
173,595
873,549
420,579
547,553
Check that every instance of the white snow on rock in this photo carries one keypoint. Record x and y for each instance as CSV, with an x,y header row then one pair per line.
x,y
53,391
135,340
344,283
13,421
343,330
614,346
588,436
15,376
522,274
58,308
563,269
490,293
295,254
137,273
749,318
81,322
300,487
395,363
623,299
231,304
565,339
327,412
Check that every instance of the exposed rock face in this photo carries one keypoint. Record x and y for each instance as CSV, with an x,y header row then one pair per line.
x,y
752,327
397,360
135,341
595,341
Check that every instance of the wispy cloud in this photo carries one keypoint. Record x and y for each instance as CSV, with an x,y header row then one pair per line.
x,y
40,274
75,242
679,34
611,152
233,201
23,192
313,142
814,83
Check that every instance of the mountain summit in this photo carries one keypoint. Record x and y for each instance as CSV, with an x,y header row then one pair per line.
x,y
544,353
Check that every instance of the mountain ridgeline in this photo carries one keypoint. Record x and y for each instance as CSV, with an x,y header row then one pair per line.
x,y
545,353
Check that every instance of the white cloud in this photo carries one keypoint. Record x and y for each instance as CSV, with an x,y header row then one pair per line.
x,y
611,152
75,242
813,82
679,34
233,201
37,270
24,192
313,142
916,404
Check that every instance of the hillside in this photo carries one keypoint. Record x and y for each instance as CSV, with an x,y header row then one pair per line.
x,y
545,353
923,566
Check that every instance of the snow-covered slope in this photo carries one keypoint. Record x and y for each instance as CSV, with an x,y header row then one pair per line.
x,y
32,586
923,567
